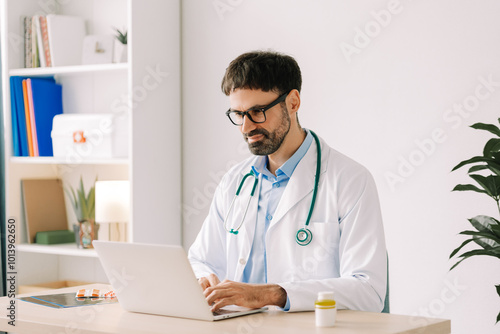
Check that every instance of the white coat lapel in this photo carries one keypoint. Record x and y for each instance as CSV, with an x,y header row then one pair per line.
x,y
302,181
300,184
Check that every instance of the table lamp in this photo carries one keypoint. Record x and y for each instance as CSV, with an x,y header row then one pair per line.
x,y
112,203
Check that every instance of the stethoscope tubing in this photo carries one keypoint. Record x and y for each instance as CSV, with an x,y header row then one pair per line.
x,y
316,177
304,235
255,182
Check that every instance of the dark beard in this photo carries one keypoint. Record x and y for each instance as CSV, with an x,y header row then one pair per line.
x,y
271,141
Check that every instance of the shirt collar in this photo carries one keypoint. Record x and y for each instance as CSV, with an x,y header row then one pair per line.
x,y
289,166
260,166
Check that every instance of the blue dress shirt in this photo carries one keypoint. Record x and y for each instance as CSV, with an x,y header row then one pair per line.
x,y
271,190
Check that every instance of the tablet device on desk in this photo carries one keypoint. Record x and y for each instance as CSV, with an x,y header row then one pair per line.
x,y
158,279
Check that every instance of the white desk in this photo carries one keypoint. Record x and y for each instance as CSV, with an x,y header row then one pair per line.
x,y
111,318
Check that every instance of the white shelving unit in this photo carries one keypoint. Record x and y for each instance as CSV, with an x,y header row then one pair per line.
x,y
62,249
61,161
44,71
146,90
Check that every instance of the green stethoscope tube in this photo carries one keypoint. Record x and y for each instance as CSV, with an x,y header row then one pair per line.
x,y
304,235
255,182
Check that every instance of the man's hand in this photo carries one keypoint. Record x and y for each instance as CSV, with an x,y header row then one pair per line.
x,y
208,281
244,294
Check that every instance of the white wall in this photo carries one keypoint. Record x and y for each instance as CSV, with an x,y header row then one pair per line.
x,y
396,91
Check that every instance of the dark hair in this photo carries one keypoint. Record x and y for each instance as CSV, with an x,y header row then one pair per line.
x,y
265,70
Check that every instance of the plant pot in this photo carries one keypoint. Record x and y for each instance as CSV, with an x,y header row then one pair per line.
x,y
119,52
85,233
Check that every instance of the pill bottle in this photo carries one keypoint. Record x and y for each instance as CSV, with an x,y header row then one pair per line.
x,y
325,309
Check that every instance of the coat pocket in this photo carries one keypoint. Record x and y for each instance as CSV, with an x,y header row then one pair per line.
x,y
320,259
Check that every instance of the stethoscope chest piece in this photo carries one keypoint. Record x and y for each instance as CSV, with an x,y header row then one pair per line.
x,y
304,237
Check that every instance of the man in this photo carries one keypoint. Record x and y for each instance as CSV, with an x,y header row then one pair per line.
x,y
247,252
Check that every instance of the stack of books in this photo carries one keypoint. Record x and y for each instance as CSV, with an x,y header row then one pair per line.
x,y
53,40
34,103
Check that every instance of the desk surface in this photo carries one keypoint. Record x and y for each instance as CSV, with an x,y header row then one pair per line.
x,y
111,318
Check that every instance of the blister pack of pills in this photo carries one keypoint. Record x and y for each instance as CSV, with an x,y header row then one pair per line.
x,y
95,293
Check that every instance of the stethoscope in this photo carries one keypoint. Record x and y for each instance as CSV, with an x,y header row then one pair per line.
x,y
304,235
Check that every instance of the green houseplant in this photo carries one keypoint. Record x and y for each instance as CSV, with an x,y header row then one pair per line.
x,y
83,204
485,171
121,36
120,46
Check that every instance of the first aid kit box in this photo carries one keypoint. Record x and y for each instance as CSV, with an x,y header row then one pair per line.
x,y
76,137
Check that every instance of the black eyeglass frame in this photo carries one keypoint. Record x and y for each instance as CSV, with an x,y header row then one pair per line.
x,y
280,99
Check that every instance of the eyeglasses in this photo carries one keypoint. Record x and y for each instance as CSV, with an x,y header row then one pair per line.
x,y
256,115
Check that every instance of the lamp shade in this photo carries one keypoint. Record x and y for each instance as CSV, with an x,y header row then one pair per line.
x,y
112,201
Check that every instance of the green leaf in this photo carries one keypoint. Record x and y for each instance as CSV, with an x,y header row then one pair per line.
x,y
485,239
466,187
83,203
490,252
484,183
495,252
120,36
477,168
91,195
488,127
486,224
82,187
496,230
83,206
483,223
91,203
492,146
72,200
76,200
456,264
485,243
496,147
73,193
472,160
498,318
459,248
487,235
498,289
494,167
490,183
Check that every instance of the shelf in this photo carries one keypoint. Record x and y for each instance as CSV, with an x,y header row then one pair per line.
x,y
60,249
63,161
78,69
154,51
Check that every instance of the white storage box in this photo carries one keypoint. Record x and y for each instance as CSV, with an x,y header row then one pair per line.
x,y
76,137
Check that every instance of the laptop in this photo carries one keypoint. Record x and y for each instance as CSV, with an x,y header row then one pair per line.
x,y
158,279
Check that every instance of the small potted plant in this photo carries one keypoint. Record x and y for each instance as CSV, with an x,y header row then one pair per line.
x,y
485,171
120,46
83,204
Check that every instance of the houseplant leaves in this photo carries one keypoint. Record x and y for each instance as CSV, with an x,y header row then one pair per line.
x,y
487,233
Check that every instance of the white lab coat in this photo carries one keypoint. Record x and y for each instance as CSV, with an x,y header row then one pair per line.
x,y
347,254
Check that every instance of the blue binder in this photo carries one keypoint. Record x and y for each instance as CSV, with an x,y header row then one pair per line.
x,y
16,141
17,83
47,102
